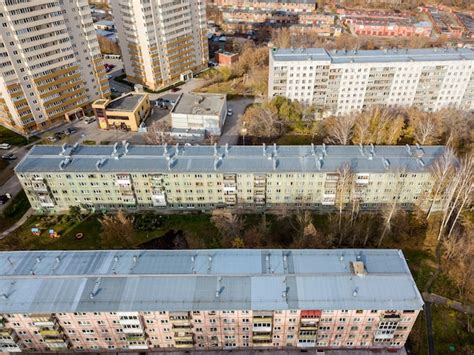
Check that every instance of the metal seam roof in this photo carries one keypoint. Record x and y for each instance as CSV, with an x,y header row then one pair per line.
x,y
69,281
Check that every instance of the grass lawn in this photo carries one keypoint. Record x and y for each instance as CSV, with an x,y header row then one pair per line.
x,y
13,138
15,210
191,225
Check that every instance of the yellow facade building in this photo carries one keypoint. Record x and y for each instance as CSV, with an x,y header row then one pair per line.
x,y
126,112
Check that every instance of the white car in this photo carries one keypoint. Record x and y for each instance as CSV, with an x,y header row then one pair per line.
x,y
5,146
229,113
89,120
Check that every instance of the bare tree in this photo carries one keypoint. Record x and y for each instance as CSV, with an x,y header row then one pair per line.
x,y
340,129
343,192
117,230
159,133
391,209
442,169
281,38
262,121
426,126
229,224
457,195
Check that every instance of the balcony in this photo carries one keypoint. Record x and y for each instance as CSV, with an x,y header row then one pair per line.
x,y
184,345
132,330
49,332
39,187
138,347
267,337
262,319
184,338
135,338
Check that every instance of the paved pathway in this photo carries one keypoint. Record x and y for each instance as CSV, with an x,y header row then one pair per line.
x,y
17,224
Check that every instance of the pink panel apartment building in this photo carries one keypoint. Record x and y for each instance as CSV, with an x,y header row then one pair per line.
x,y
206,300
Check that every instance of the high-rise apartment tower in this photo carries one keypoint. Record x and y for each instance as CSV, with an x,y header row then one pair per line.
x,y
162,41
50,63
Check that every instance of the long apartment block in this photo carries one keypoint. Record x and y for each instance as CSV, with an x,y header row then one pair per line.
x,y
341,81
206,299
50,63
162,41
185,177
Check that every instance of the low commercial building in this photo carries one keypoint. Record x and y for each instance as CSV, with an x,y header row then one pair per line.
x,y
185,177
200,112
340,81
206,300
371,27
105,25
225,58
126,112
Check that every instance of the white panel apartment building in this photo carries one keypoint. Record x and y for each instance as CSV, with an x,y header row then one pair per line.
x,y
206,300
184,177
340,82
162,41
50,62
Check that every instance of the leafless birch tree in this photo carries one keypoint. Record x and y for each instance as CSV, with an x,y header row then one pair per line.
x,y
340,129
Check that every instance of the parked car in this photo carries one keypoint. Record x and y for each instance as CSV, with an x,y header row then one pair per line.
x,y
229,113
9,156
69,131
5,146
113,90
230,109
52,139
4,198
109,76
89,120
175,89
59,135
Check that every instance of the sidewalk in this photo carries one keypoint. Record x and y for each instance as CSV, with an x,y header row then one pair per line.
x,y
17,224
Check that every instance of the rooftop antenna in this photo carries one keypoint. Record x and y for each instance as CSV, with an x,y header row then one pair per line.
x,y
313,152
325,152
386,163
176,148
226,148
126,147
408,149
165,149
74,147
264,148
215,149
361,149
171,162
372,149
275,162
275,152
115,148
354,293
10,261
4,296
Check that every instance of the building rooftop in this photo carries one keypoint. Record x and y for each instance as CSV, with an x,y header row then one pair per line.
x,y
123,157
215,279
371,56
199,104
127,102
104,23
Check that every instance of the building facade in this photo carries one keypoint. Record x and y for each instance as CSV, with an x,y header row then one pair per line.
x,y
162,42
206,300
50,63
341,82
126,112
185,177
